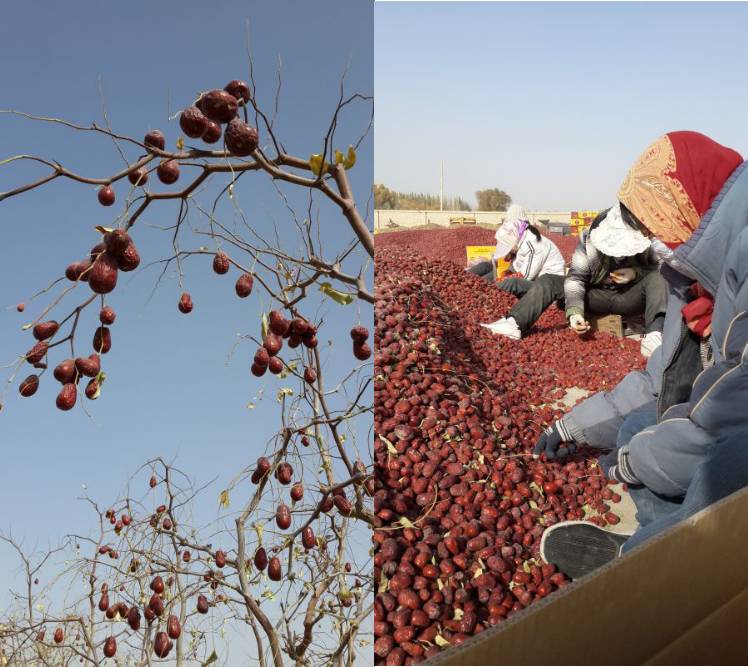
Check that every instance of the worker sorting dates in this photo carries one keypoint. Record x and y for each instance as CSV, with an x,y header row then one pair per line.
x,y
539,263
677,430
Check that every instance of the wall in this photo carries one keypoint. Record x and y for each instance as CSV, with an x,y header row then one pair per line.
x,y
416,218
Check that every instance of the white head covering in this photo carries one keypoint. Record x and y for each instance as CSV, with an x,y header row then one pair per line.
x,y
516,212
613,237
511,230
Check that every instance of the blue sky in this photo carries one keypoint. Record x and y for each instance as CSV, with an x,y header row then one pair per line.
x,y
549,101
172,387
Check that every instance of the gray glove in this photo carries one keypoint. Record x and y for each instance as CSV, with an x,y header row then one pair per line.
x,y
556,441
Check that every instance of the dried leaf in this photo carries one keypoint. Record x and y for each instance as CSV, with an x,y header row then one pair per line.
x,y
588,511
264,325
390,447
534,486
223,499
213,657
317,164
283,391
288,369
440,641
339,297
180,144
350,158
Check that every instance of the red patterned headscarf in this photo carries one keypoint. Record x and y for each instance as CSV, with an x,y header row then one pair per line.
x,y
674,182
669,188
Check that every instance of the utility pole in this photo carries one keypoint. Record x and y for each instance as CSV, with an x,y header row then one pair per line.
x,y
441,190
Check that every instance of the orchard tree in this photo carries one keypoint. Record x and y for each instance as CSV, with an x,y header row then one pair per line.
x,y
492,199
283,569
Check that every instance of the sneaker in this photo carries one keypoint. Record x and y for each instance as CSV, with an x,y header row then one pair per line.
x,y
650,342
506,326
577,548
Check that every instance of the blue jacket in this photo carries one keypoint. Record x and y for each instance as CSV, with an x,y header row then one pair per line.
x,y
696,405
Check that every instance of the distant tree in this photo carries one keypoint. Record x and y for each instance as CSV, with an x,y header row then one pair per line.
x,y
492,200
384,198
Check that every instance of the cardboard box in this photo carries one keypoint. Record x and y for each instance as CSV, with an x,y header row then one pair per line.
x,y
679,599
612,324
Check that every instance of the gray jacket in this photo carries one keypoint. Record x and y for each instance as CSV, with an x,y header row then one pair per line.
x,y
696,405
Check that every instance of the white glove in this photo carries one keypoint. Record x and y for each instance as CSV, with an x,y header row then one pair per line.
x,y
622,276
578,323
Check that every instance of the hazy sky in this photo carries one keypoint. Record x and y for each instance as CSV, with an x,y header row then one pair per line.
x,y
173,388
549,101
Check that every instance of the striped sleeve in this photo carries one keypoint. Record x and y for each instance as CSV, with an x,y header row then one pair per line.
x,y
579,276
621,470
529,269
532,257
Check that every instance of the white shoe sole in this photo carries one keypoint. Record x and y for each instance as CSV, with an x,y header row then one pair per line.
x,y
500,331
